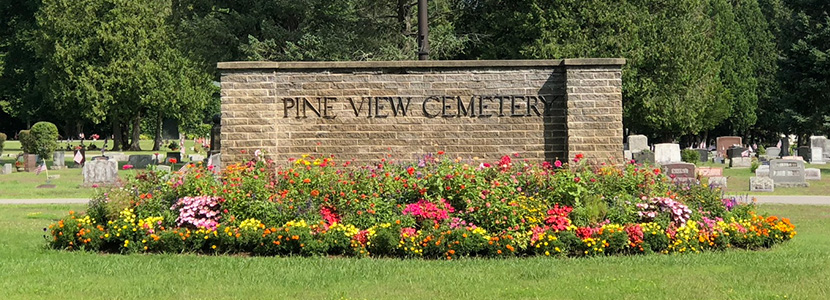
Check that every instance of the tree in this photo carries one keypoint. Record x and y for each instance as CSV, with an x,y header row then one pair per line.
x,y
19,96
115,61
45,137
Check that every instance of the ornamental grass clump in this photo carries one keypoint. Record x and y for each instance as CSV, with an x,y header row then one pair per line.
x,y
435,207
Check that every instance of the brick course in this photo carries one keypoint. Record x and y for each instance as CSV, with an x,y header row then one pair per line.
x,y
290,109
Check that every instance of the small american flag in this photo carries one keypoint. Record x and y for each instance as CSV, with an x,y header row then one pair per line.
x,y
41,168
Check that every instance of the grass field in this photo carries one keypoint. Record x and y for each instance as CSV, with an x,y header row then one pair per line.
x,y
795,270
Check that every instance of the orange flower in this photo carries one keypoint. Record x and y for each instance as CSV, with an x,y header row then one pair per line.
x,y
306,180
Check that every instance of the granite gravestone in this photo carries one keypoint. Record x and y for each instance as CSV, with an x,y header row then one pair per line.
x,y
100,171
773,152
762,171
59,159
7,169
761,184
725,142
196,158
821,142
812,174
710,172
740,162
637,143
718,181
667,153
817,156
118,156
804,152
680,172
30,162
785,147
141,161
787,172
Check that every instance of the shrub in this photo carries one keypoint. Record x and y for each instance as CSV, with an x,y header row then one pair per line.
x,y
435,208
2,142
690,156
27,142
45,137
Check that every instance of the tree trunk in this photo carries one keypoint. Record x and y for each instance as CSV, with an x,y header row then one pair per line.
x,y
125,136
116,135
157,138
135,145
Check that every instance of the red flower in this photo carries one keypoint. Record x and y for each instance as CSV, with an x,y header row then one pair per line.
x,y
576,179
172,160
579,156
440,152
410,170
127,167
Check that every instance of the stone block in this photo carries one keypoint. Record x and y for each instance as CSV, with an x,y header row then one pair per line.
x,y
762,171
773,152
7,169
717,181
817,156
58,158
98,171
117,156
196,157
788,173
812,174
637,143
141,161
710,172
740,162
761,184
667,153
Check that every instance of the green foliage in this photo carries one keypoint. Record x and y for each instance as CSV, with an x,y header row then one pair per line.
x,y
45,136
27,141
690,156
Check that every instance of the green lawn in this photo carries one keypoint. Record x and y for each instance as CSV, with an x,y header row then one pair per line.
x,y
794,270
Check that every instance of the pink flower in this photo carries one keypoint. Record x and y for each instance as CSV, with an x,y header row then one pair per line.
x,y
557,164
127,167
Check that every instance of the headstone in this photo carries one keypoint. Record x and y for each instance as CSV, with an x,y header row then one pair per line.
x,y
740,162
761,184
161,168
718,160
718,181
196,157
710,172
59,159
773,152
643,157
793,158
725,142
7,169
170,129
680,172
667,153
140,161
787,172
704,154
215,161
627,155
735,151
98,171
785,147
762,171
173,155
812,174
817,156
821,142
804,152
118,156
29,162
637,143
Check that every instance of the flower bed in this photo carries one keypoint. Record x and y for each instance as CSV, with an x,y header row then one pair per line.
x,y
435,208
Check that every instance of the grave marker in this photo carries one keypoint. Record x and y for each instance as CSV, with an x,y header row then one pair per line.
x,y
773,152
667,153
680,172
762,171
100,171
141,161
637,143
787,172
812,174
7,169
817,156
718,181
725,142
761,184
710,172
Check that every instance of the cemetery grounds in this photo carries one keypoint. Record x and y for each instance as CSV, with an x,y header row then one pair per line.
x,y
792,270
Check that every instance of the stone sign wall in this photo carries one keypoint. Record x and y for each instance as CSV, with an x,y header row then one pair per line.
x,y
543,109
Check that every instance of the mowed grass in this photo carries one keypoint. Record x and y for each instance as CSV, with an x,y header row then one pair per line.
x,y
24,185
794,270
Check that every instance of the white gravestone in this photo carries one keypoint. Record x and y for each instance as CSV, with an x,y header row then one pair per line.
x,y
817,156
821,142
812,174
762,171
773,152
100,172
787,173
7,169
666,153
718,181
761,184
637,143
58,159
